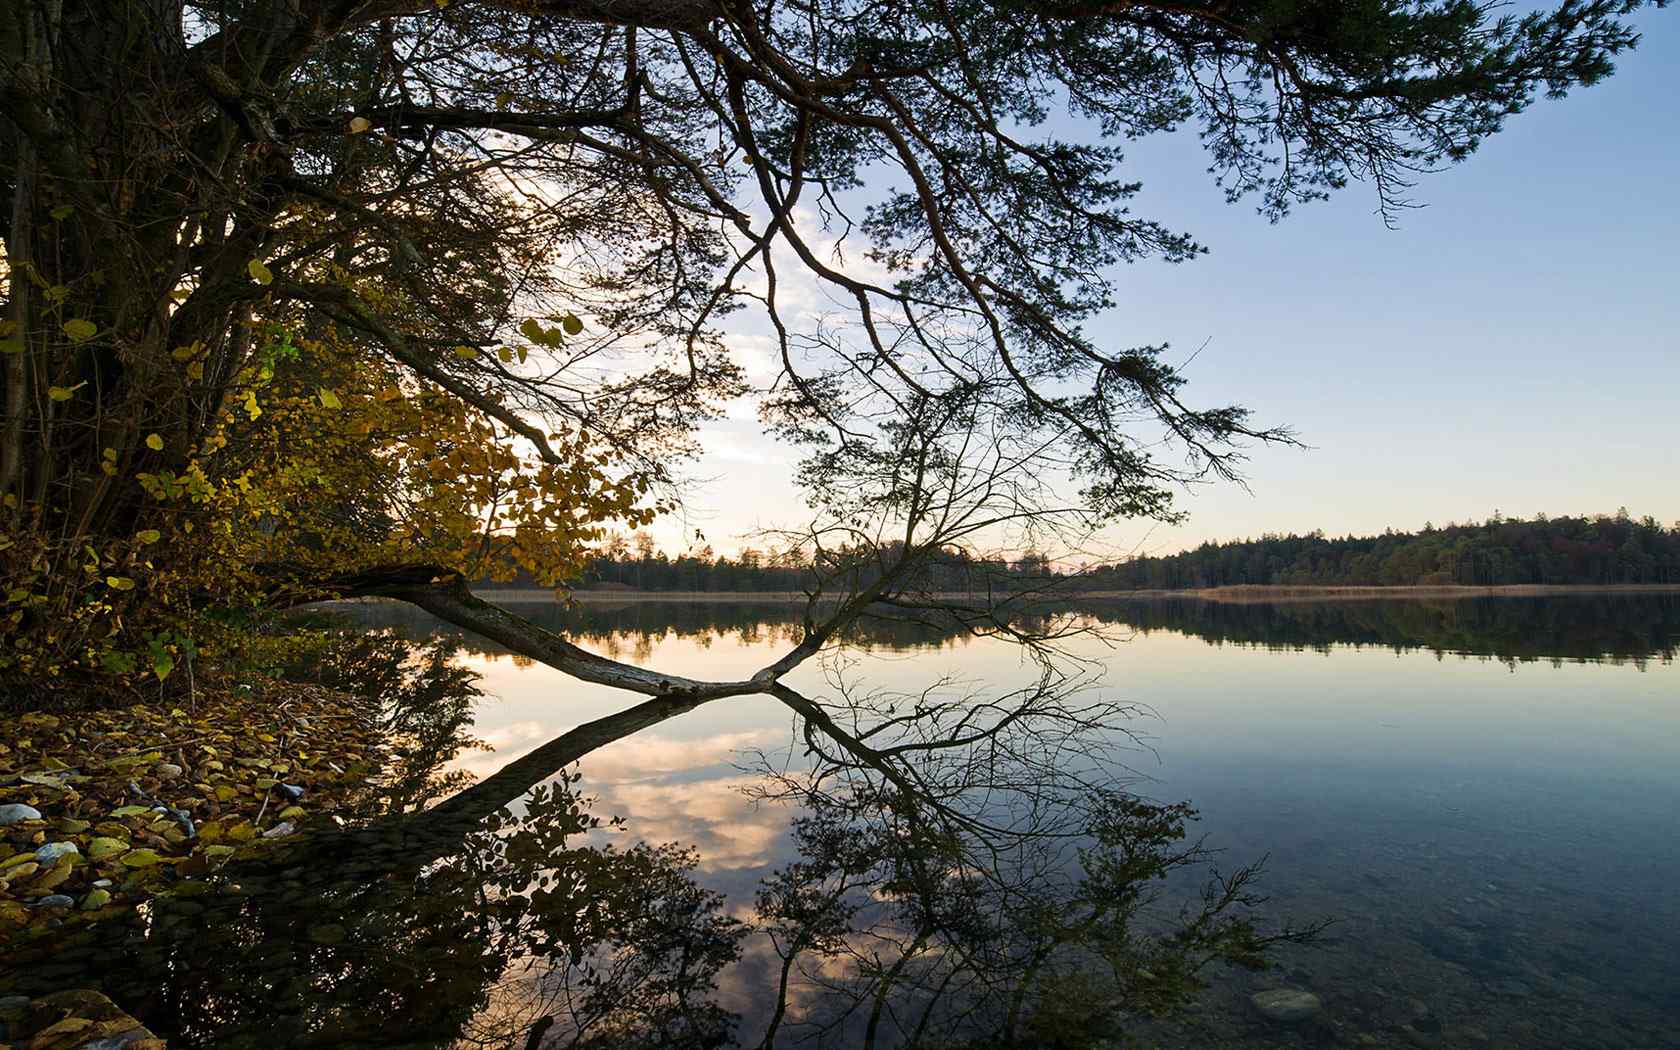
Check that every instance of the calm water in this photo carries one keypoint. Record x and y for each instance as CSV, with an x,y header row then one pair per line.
x,y
1482,795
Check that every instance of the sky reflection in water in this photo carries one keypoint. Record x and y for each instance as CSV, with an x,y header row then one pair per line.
x,y
1482,793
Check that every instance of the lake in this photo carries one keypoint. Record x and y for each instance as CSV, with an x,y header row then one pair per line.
x,y
1482,794
1479,796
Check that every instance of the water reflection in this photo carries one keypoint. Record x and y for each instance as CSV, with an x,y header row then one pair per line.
x,y
498,911
1635,628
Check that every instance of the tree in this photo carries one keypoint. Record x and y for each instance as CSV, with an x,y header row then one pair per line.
x,y
371,297
198,190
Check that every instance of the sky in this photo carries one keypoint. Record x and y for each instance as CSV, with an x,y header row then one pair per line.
x,y
1514,346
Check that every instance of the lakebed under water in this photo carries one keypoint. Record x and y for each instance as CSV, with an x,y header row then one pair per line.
x,y
1482,794
1479,795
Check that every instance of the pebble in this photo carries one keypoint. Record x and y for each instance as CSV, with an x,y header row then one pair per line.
x,y
1286,1005
48,855
167,770
16,811
279,831
55,900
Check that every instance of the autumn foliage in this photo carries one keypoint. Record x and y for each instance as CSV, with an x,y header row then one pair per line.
x,y
323,460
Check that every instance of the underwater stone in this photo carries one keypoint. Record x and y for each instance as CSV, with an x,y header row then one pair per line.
x,y
16,811
1286,1005
48,855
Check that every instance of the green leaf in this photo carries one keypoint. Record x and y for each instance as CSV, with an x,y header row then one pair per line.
x,y
102,847
62,212
572,324
11,346
80,330
259,273
162,664
141,858
148,535
119,583
130,811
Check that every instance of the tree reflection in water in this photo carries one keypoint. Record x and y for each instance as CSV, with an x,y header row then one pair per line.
x,y
494,915
1604,626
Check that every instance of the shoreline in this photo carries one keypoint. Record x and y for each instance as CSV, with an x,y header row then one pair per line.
x,y
1230,595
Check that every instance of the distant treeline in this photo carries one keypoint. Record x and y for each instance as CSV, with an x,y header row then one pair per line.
x,y
634,564
1580,550
1603,549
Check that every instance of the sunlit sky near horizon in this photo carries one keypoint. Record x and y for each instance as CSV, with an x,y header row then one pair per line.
x,y
1513,346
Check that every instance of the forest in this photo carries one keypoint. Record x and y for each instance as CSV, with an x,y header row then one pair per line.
x,y
1582,550
1502,550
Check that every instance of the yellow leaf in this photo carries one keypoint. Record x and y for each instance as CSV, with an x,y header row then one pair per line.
x,y
68,1026
571,324
259,273
154,442
329,399
61,393
80,330
359,125
252,409
195,370
119,583
466,351
148,535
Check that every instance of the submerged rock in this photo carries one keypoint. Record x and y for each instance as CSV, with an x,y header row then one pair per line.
x,y
16,811
48,855
55,900
1286,1005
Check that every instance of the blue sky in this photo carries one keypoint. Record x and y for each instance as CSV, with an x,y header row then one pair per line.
x,y
1514,345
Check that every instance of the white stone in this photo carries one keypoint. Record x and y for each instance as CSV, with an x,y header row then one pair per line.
x,y
16,811
48,855
1286,1005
